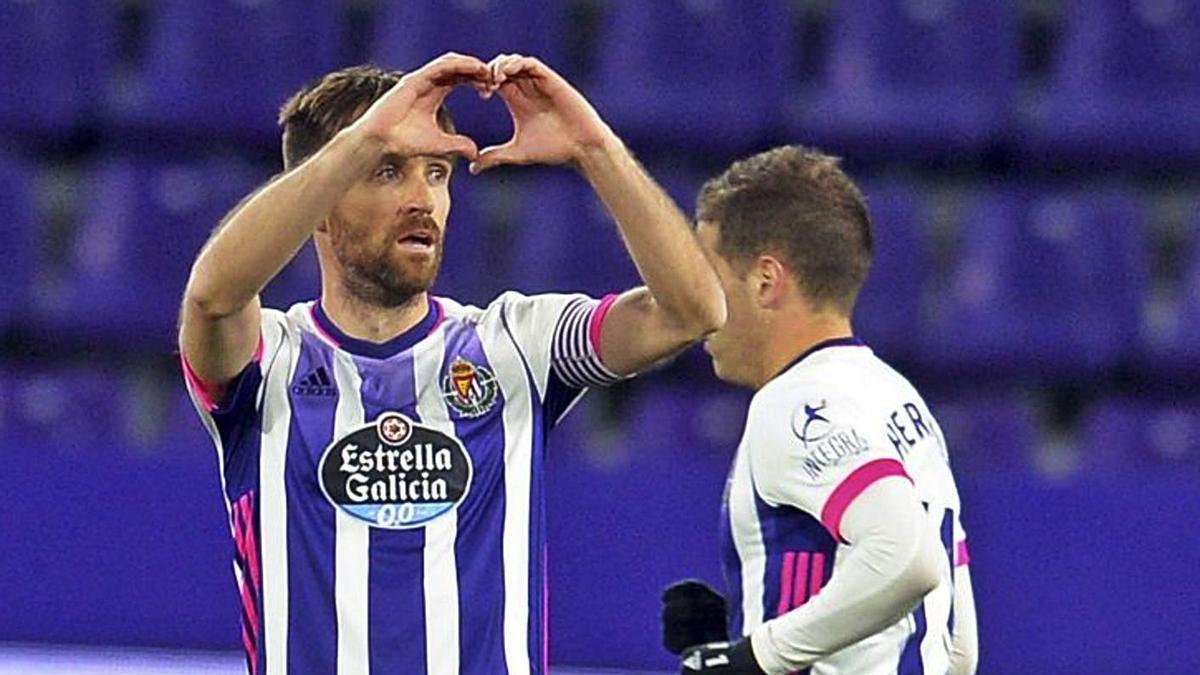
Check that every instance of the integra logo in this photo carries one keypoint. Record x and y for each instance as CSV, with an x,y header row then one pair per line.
x,y
395,473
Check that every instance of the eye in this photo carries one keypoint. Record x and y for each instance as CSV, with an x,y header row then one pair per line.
x,y
438,174
386,172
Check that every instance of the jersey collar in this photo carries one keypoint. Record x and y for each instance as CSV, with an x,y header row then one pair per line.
x,y
847,341
379,350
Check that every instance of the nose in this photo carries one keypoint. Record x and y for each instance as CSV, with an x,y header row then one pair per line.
x,y
417,199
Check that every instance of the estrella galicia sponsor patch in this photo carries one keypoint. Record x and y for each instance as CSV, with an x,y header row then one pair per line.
x,y
394,473
469,389
826,444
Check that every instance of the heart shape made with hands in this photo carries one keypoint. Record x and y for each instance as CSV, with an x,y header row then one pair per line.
x,y
552,122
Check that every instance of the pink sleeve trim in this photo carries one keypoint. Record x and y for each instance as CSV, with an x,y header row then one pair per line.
x,y
203,392
962,556
207,393
598,316
854,485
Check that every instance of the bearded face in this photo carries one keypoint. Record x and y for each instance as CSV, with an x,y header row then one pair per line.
x,y
387,266
386,235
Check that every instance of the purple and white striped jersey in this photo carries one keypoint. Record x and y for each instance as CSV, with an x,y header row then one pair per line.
x,y
386,500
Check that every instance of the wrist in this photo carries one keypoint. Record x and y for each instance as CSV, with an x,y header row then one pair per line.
x,y
599,153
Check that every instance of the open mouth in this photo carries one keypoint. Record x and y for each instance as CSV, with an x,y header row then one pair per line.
x,y
418,240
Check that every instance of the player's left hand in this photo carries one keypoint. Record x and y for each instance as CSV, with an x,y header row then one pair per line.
x,y
722,657
552,122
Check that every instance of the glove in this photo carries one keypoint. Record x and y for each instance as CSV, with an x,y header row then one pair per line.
x,y
722,657
692,614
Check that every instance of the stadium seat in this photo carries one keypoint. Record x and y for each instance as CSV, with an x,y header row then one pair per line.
x,y
986,432
934,78
139,233
1125,83
1047,286
1170,337
53,58
1124,433
408,34
706,74
224,67
474,271
888,315
562,240
17,230
75,409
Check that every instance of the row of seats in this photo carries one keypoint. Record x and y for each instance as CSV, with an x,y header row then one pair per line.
x,y
1062,283
986,430
934,77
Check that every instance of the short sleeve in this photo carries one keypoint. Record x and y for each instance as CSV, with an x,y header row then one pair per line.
x,y
811,451
228,420
559,336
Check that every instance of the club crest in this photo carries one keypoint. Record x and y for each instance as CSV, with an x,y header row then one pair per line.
x,y
469,389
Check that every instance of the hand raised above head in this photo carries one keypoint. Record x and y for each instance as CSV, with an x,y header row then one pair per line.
x,y
552,122
404,120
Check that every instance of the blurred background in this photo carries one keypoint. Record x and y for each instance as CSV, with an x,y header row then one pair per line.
x,y
1033,169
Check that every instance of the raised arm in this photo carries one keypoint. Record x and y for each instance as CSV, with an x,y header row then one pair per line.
x,y
219,323
682,300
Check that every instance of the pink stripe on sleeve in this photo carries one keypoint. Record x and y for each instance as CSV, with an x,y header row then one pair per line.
x,y
785,589
853,485
598,316
962,556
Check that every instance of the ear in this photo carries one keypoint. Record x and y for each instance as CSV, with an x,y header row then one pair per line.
x,y
770,281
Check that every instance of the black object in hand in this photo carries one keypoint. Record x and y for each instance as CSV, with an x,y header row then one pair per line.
x,y
692,614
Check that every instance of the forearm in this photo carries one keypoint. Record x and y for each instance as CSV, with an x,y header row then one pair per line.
x,y
660,241
890,566
964,647
266,230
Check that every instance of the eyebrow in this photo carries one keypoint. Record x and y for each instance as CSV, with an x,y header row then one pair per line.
x,y
398,159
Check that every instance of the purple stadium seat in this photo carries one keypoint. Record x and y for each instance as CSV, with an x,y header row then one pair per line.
x,y
1170,334
986,432
76,410
224,67
888,312
135,244
53,56
1048,286
472,270
17,230
1125,84
678,72
1124,433
409,34
564,241
927,77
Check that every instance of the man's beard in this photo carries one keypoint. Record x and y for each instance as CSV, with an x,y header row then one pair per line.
x,y
371,276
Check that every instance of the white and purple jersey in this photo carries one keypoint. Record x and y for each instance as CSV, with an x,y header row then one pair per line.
x,y
386,500
817,435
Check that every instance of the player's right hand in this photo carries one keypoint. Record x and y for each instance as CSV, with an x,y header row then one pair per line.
x,y
404,120
692,614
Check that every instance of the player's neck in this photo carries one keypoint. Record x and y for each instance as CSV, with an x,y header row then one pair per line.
x,y
795,337
371,323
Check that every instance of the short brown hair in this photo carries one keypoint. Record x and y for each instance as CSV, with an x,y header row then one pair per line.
x,y
314,115
795,202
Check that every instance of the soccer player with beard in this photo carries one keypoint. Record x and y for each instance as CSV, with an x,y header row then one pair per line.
x,y
381,449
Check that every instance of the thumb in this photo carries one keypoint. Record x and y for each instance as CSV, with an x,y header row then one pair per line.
x,y
496,155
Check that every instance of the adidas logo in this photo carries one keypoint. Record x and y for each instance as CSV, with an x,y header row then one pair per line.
x,y
315,383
